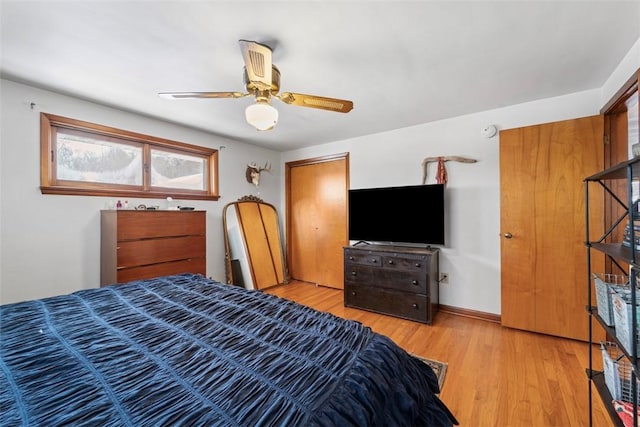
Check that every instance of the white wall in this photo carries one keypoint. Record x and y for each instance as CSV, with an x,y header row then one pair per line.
x,y
50,244
623,72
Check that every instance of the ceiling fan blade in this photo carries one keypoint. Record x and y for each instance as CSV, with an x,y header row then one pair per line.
x,y
257,59
302,100
183,95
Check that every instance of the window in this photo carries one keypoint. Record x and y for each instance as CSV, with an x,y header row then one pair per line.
x,y
81,158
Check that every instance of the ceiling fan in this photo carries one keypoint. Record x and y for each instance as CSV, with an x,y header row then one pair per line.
x,y
262,80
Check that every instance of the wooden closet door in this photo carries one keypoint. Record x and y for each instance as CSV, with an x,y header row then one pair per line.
x,y
544,265
317,219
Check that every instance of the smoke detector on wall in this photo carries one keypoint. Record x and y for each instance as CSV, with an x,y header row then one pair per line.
x,y
489,131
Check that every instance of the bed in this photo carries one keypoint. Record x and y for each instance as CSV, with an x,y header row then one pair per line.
x,y
186,350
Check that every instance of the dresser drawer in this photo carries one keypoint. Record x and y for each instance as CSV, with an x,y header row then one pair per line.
x,y
192,265
362,258
387,301
134,225
404,262
406,281
155,251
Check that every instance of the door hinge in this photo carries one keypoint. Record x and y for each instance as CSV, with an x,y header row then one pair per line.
x,y
606,139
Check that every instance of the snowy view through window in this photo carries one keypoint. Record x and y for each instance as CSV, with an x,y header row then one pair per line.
x,y
92,160
174,170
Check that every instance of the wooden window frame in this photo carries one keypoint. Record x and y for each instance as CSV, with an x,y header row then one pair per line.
x,y
50,184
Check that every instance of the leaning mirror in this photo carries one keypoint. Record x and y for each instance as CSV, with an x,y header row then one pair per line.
x,y
254,254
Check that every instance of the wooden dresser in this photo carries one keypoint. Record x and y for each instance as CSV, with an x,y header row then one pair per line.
x,y
143,244
398,281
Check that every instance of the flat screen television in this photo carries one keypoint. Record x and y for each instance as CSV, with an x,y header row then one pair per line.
x,y
400,215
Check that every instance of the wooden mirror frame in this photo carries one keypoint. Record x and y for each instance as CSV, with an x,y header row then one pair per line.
x,y
258,228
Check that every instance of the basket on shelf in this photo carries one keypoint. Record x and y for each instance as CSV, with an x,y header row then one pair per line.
x,y
617,373
606,284
622,317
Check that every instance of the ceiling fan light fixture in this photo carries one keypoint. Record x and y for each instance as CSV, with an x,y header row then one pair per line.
x,y
262,81
261,115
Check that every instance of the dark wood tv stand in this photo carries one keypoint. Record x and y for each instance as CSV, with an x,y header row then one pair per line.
x,y
394,280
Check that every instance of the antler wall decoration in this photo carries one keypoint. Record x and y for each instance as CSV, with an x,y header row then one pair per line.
x,y
253,172
441,173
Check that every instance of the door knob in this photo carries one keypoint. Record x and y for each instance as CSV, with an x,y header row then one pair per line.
x,y
508,235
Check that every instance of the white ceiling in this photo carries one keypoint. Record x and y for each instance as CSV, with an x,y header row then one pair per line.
x,y
402,63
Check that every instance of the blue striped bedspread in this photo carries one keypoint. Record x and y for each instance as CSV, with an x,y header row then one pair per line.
x,y
186,350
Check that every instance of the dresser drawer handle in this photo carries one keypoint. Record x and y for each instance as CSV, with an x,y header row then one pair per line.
x,y
414,282
353,273
351,258
414,305
353,293
418,264
373,260
390,261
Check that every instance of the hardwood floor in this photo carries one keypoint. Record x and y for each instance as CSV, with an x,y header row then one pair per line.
x,y
496,376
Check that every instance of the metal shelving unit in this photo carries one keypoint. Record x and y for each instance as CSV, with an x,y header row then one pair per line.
x,y
626,259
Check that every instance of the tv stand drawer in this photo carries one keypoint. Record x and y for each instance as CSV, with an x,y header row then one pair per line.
x,y
363,258
387,301
407,281
416,263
